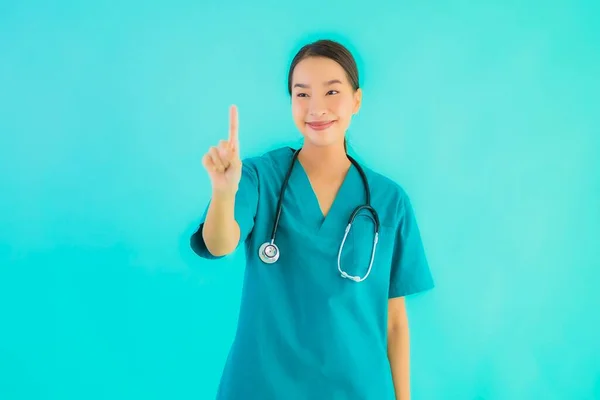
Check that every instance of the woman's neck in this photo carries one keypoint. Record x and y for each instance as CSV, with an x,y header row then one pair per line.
x,y
324,160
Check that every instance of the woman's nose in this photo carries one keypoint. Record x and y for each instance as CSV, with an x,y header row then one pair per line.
x,y
317,107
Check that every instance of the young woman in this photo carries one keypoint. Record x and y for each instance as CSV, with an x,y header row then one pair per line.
x,y
322,314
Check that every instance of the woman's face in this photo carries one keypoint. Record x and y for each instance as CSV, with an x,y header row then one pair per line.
x,y
323,101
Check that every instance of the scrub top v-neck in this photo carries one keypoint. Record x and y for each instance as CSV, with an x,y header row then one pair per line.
x,y
304,332
307,204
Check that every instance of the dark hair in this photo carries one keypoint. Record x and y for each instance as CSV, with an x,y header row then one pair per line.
x,y
332,50
328,49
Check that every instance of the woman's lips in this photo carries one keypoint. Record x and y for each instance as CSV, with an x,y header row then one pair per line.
x,y
321,125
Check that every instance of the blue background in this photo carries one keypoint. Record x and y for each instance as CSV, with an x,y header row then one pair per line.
x,y
487,113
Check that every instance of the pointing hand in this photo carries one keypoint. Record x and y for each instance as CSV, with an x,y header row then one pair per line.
x,y
223,161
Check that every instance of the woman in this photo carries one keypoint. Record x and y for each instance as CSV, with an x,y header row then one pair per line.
x,y
316,322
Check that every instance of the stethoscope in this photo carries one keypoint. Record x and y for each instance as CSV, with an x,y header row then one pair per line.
x,y
269,252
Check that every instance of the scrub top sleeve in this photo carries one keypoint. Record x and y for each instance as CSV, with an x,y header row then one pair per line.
x,y
410,271
246,203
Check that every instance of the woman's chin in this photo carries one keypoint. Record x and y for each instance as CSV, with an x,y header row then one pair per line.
x,y
321,138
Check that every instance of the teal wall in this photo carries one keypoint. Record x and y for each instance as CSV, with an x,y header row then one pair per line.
x,y
488,115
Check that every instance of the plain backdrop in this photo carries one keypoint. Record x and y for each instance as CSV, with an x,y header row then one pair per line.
x,y
487,113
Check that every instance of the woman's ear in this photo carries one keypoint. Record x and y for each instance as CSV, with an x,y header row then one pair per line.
x,y
357,101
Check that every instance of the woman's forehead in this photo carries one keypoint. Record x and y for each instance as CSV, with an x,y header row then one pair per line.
x,y
313,70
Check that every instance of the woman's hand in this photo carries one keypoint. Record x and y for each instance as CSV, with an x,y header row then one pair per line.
x,y
223,163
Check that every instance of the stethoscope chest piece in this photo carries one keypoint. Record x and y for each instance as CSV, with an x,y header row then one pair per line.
x,y
268,252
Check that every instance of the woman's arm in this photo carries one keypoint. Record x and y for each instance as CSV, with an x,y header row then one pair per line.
x,y
221,231
399,347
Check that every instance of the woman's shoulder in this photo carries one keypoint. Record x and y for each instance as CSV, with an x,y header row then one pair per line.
x,y
269,162
268,156
382,184
387,195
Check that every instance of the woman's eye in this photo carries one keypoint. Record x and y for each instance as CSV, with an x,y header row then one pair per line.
x,y
333,92
301,95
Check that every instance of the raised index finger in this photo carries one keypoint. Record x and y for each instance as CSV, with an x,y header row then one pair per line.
x,y
233,127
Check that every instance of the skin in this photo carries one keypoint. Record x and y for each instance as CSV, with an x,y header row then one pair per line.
x,y
221,231
321,92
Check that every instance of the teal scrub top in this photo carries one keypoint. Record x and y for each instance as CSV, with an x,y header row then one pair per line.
x,y
304,332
